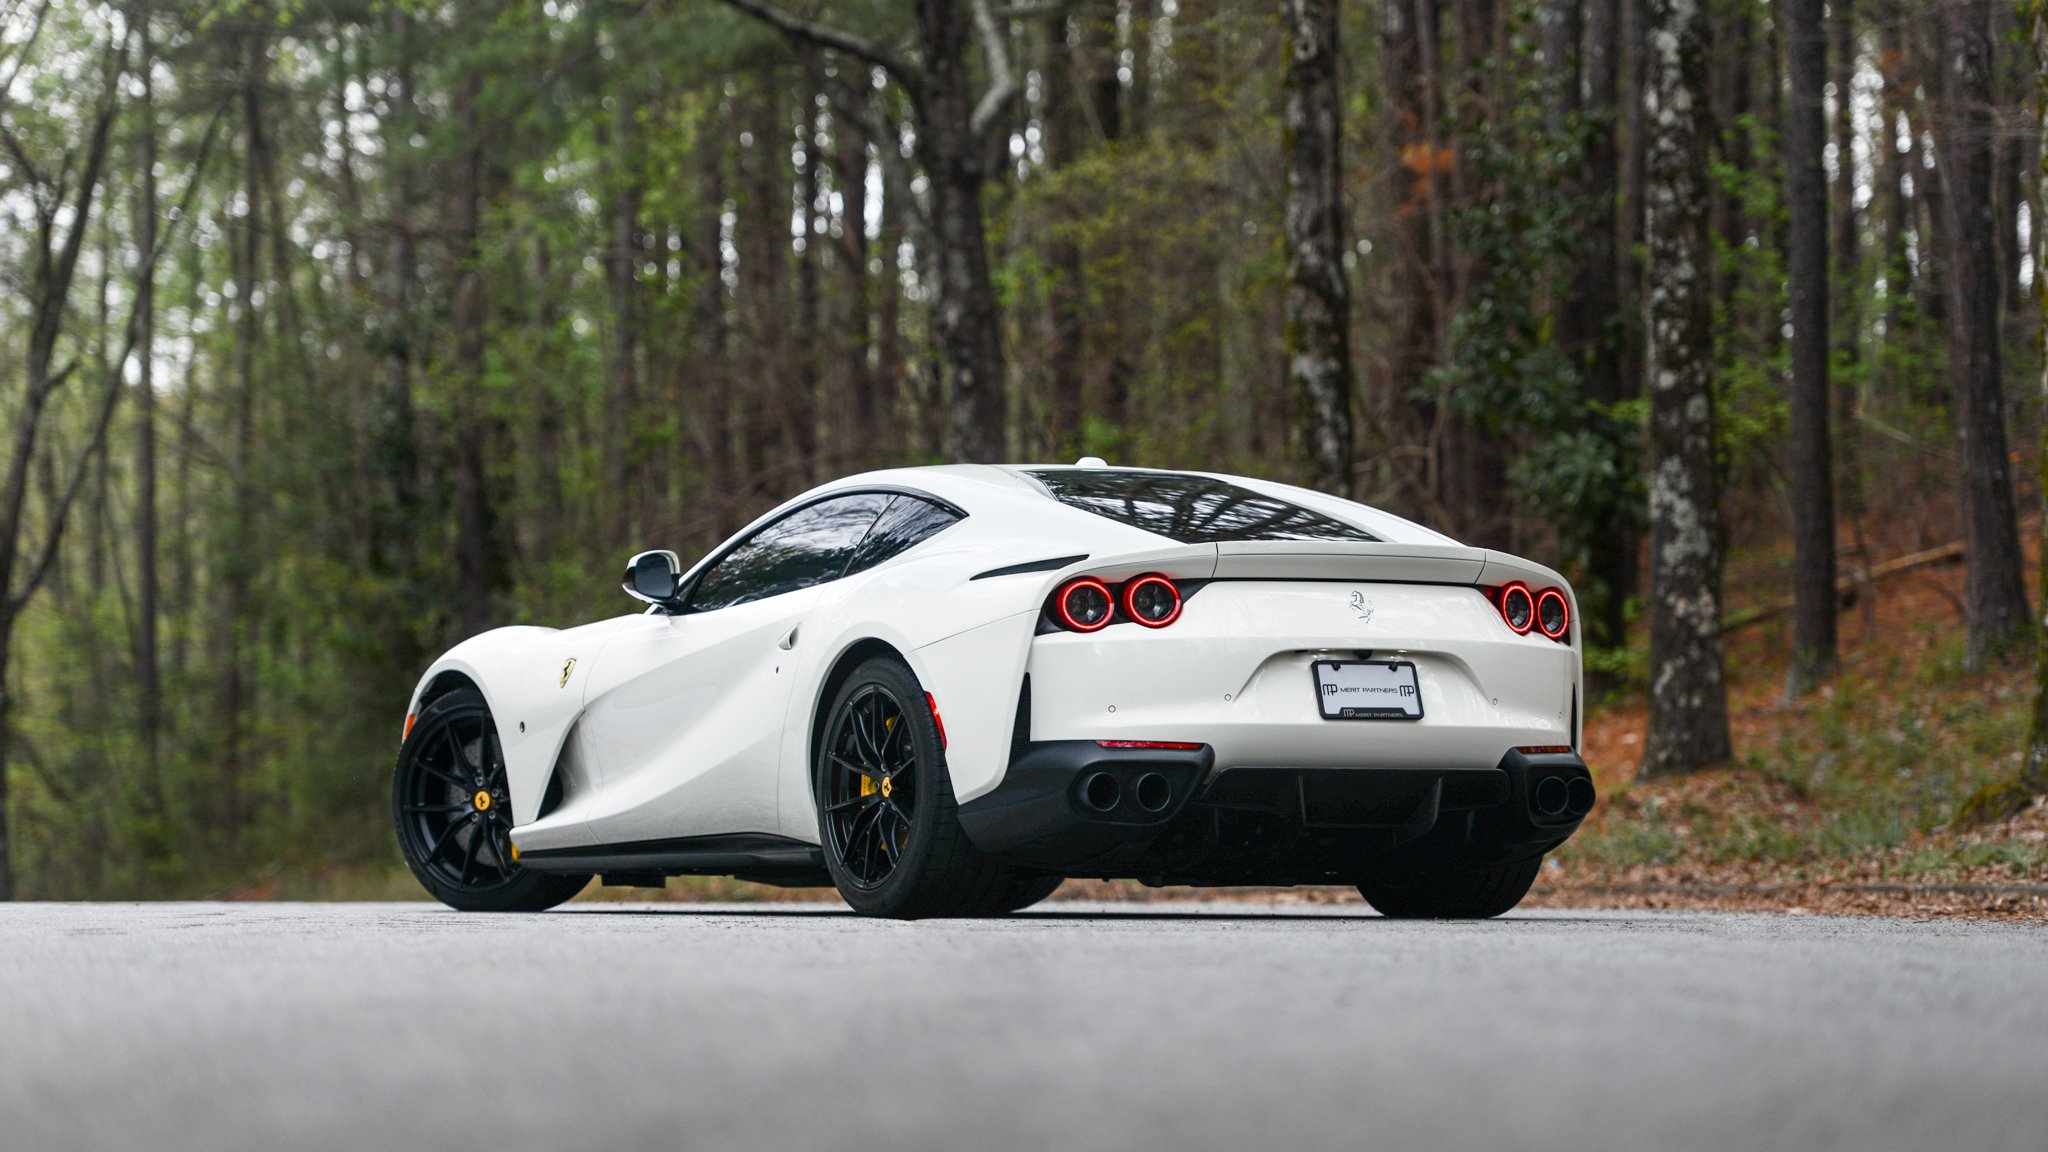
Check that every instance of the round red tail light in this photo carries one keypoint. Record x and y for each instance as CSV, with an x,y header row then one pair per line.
x,y
1084,605
1152,601
1518,607
1553,613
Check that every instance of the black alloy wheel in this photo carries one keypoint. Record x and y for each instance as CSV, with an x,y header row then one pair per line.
x,y
886,815
870,785
453,807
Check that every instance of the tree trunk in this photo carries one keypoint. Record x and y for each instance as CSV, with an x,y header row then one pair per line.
x,y
955,165
2034,768
476,549
1930,179
1474,458
1688,726
1734,102
1812,467
624,447
7,622
865,409
1628,232
1318,308
1892,201
238,575
1590,318
1846,274
1067,94
1995,598
1396,404
149,680
801,402
396,526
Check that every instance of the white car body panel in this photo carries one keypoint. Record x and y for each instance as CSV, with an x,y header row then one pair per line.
x,y
701,724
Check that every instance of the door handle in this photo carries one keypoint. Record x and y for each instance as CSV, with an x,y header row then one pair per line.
x,y
789,640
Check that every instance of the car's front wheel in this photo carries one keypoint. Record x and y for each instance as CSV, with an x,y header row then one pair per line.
x,y
1470,893
453,808
886,815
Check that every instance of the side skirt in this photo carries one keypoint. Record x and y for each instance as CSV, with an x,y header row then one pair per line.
x,y
757,857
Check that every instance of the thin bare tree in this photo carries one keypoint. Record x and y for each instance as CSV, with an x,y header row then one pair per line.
x,y
955,132
1812,467
1995,596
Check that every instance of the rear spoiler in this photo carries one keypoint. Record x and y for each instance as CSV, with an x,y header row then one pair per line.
x,y
1376,561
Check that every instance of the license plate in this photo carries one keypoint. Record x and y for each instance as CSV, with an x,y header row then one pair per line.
x,y
1368,690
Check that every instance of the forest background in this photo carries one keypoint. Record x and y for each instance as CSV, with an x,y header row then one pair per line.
x,y
338,330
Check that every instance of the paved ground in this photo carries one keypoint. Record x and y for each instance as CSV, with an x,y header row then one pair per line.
x,y
397,1027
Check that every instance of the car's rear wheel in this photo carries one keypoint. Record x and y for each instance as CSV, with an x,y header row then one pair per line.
x,y
1472,893
886,815
453,807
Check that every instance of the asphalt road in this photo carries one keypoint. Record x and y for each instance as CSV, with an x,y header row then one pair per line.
x,y
394,1027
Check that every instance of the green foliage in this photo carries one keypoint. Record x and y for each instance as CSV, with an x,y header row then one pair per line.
x,y
1573,461
1869,767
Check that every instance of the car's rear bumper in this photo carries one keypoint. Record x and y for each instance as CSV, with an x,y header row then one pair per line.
x,y
1234,672
1259,824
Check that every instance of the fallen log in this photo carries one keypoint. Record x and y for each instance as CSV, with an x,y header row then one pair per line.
x,y
1846,586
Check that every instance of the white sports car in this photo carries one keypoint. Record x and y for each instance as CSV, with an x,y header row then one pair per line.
x,y
941,690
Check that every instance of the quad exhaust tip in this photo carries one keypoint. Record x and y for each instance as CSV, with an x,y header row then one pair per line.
x,y
1100,791
1579,796
1152,792
1557,796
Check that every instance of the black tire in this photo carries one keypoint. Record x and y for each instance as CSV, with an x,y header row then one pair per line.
x,y
452,808
1451,894
904,857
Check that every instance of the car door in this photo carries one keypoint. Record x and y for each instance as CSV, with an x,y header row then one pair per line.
x,y
685,713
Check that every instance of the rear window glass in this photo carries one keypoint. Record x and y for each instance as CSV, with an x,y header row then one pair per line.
x,y
1191,509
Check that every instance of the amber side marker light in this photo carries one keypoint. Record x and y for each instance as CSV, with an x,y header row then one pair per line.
x,y
409,718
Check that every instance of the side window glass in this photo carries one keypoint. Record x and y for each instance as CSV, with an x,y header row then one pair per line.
x,y
810,546
908,522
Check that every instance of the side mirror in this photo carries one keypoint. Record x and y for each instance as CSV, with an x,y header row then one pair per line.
x,y
654,577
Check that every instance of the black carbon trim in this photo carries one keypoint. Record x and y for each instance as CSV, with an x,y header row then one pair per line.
x,y
751,855
1053,564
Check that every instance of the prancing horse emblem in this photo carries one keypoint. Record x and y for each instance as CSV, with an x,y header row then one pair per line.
x,y
568,666
1362,606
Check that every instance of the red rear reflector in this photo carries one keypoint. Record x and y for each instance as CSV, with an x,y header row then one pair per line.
x,y
1175,745
409,718
934,705
1545,750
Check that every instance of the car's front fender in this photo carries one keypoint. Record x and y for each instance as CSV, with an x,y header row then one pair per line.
x,y
533,681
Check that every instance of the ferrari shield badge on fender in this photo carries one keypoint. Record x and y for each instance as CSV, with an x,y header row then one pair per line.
x,y
568,666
